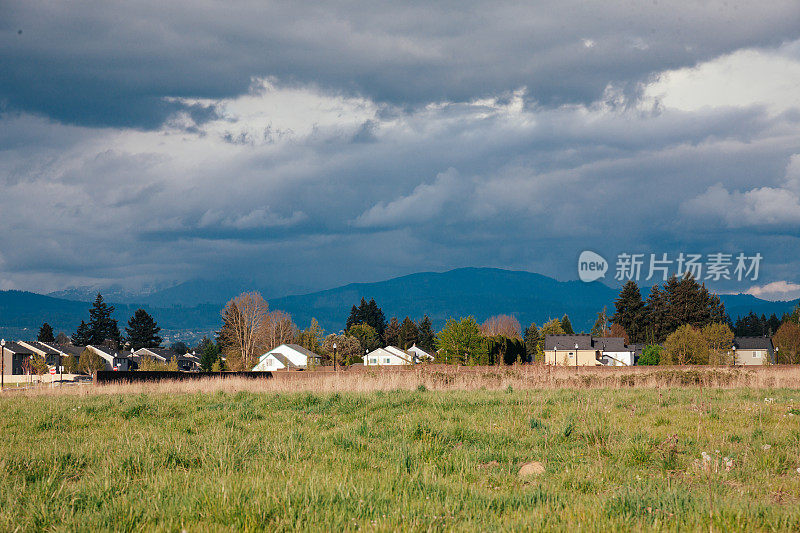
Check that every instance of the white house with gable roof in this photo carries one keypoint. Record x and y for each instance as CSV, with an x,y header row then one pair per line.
x,y
389,356
287,357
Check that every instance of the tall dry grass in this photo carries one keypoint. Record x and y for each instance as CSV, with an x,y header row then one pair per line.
x,y
464,378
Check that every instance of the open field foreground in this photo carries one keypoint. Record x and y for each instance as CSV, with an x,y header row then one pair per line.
x,y
404,459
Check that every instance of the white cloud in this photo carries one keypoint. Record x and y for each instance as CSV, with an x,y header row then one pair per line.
x,y
761,206
761,77
425,202
776,291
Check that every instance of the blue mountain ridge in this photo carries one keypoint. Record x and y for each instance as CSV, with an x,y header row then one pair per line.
x,y
480,292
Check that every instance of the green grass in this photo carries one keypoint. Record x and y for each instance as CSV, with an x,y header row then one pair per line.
x,y
410,460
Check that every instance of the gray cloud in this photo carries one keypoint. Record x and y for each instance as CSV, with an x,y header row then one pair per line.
x,y
112,63
355,143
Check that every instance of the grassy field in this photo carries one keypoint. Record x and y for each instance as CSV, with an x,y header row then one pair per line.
x,y
405,459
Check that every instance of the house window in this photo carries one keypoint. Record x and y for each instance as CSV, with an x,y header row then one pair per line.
x,y
373,361
387,360
756,355
571,354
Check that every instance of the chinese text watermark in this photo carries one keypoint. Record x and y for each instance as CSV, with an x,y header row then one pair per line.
x,y
712,267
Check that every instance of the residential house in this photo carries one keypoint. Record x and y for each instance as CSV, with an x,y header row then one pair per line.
x,y
66,351
14,356
389,356
753,351
421,355
115,359
187,362
51,356
586,350
287,357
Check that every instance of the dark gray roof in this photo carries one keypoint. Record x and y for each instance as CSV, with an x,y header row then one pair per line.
x,y
42,347
13,347
609,344
567,342
584,342
68,349
753,343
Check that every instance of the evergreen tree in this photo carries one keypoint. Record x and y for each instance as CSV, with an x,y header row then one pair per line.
x,y
629,311
566,325
655,316
391,336
409,334
142,331
531,337
209,354
427,339
62,338
773,323
101,326
179,348
81,337
45,333
367,313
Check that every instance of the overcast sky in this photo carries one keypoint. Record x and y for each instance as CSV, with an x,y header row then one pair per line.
x,y
305,146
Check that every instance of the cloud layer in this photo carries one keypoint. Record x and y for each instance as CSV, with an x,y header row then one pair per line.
x,y
148,142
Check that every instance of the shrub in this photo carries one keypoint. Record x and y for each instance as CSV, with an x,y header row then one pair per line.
x,y
651,355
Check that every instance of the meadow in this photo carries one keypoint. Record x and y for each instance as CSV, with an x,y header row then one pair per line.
x,y
250,456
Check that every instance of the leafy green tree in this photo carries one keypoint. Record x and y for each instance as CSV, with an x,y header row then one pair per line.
x,y
348,349
102,326
532,338
46,333
600,328
82,337
461,342
90,363
391,336
311,337
366,335
551,327
629,311
504,350
787,342
566,325
719,338
427,339
408,335
142,331
685,346
651,355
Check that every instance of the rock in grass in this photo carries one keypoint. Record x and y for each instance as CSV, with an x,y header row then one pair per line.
x,y
533,468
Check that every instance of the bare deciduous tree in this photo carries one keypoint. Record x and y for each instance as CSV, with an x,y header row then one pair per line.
x,y
279,329
244,333
504,325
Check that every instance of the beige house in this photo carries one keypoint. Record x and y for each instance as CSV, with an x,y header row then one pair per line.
x,y
585,350
749,351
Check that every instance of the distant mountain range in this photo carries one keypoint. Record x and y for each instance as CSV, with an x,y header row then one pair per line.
x,y
194,307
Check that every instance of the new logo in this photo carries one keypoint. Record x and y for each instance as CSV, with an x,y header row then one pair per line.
x,y
591,266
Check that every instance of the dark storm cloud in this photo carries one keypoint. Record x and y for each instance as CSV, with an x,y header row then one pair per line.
x,y
112,63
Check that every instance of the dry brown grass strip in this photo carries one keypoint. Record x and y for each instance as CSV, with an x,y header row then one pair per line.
x,y
441,377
